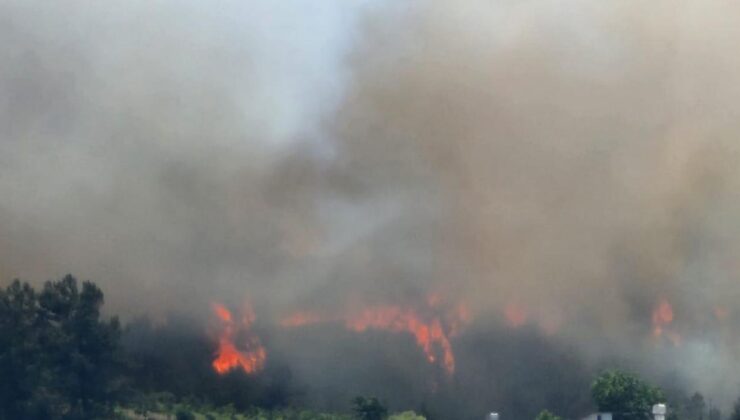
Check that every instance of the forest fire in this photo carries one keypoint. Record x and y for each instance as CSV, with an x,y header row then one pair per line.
x,y
459,319
300,319
662,316
516,315
228,356
397,319
430,330
661,319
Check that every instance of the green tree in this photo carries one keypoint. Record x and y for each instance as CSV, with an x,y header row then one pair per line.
x,y
547,415
715,414
406,415
82,348
625,395
57,358
695,407
21,369
736,410
184,414
369,408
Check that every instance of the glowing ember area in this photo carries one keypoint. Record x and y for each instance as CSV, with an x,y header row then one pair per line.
x,y
516,316
662,318
431,330
222,313
228,356
300,319
429,335
721,313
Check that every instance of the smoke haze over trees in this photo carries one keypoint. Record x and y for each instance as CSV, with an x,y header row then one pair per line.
x,y
59,360
567,171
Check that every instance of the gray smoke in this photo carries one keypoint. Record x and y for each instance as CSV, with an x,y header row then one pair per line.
x,y
576,159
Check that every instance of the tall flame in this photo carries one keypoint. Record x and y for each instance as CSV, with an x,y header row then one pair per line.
x,y
397,319
662,318
228,356
431,331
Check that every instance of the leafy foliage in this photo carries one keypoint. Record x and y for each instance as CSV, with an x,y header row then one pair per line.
x,y
163,405
406,415
369,408
57,358
184,414
625,395
547,415
293,414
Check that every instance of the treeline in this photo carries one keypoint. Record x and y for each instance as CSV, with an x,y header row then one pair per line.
x,y
60,360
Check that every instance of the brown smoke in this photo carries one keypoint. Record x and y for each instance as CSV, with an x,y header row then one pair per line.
x,y
574,160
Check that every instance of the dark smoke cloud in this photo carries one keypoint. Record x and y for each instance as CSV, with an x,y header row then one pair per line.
x,y
580,160
576,159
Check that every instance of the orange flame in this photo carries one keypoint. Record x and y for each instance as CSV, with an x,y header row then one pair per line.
x,y
222,313
516,315
431,332
396,319
662,318
228,356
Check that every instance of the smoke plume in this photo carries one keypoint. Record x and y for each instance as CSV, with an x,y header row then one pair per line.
x,y
562,169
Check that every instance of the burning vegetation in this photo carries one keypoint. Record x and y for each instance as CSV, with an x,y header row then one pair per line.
x,y
662,319
429,334
452,208
171,361
516,315
430,325
249,355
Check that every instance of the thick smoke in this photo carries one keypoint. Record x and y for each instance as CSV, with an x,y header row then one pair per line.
x,y
580,159
574,160
168,150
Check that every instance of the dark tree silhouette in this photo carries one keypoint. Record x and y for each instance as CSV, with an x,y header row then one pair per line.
x,y
696,407
369,408
736,410
547,415
57,358
21,369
